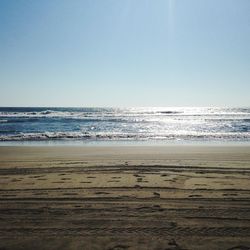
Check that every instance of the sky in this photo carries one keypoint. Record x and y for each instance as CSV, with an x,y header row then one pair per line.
x,y
124,53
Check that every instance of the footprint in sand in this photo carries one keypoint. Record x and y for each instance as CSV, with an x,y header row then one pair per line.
x,y
156,194
173,246
119,247
239,248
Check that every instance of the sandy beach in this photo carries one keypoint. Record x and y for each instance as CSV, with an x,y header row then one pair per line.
x,y
127,197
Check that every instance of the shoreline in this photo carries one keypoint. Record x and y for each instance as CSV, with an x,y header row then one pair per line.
x,y
122,143
132,152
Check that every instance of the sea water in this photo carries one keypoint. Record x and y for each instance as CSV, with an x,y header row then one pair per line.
x,y
162,124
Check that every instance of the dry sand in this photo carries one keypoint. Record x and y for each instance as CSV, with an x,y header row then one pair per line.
x,y
164,198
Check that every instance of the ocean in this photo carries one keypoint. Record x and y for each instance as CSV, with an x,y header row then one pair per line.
x,y
161,124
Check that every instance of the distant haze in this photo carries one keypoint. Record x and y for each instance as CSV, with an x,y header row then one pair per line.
x,y
125,53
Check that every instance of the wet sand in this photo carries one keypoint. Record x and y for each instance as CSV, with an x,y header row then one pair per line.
x,y
164,198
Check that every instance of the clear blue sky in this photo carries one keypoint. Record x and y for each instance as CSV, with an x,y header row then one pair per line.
x,y
125,53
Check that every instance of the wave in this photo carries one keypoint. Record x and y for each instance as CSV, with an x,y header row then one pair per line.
x,y
169,112
123,136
